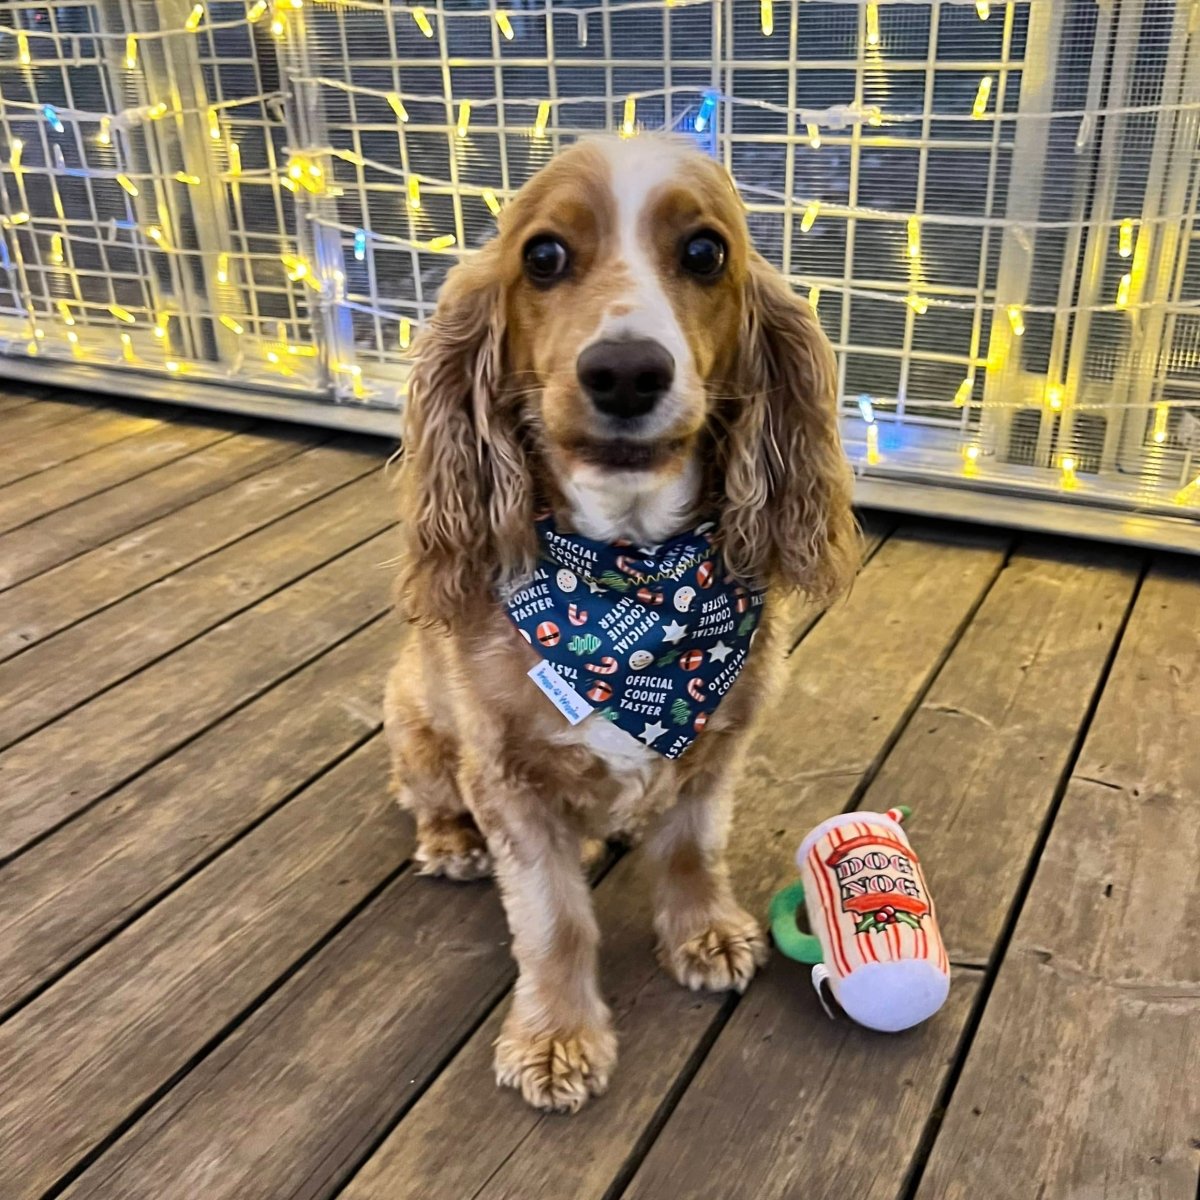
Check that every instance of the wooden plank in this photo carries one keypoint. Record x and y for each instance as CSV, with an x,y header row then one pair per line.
x,y
1082,1079
67,894
89,1050
59,597
98,652
48,412
88,430
60,770
346,1044
62,535
98,470
14,394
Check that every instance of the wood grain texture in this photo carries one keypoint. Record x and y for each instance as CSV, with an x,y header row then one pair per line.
x,y
842,706
89,1050
48,412
53,774
92,655
75,435
982,759
98,470
59,597
63,897
14,394
1082,1079
59,536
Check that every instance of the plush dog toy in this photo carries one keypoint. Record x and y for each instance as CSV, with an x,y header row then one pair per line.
x,y
875,936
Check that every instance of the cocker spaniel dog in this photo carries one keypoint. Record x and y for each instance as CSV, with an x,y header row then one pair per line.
x,y
621,455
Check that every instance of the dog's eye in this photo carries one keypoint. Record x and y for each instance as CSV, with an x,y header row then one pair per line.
x,y
704,255
546,259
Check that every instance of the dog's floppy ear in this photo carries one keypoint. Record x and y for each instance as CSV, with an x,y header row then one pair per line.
x,y
466,496
787,518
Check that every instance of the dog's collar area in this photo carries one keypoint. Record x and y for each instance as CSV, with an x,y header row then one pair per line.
x,y
650,638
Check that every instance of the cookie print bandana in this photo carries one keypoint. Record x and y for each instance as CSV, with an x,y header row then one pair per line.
x,y
648,637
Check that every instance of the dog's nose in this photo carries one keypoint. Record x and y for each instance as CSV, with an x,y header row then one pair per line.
x,y
625,378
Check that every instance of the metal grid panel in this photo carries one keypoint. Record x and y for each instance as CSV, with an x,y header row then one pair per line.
x,y
993,205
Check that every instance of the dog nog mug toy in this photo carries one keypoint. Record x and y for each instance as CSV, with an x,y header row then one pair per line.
x,y
875,937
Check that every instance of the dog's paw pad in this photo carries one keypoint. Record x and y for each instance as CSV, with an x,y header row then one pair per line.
x,y
721,958
557,1071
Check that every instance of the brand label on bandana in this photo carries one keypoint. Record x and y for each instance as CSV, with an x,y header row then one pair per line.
x,y
648,637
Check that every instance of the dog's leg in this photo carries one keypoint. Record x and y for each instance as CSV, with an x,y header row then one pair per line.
x,y
424,762
705,938
557,1046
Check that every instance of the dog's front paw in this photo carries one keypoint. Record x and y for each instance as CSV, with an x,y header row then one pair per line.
x,y
720,958
559,1070
452,847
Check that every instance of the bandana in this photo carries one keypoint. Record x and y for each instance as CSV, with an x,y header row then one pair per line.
x,y
648,637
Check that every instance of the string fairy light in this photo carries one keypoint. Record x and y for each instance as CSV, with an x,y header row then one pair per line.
x,y
464,118
194,18
629,117
161,322
766,17
131,53
872,18
184,177
1016,320
223,267
490,199
421,18
1067,465
53,119
235,159
442,242
414,193
918,304
23,55
914,238
814,135
543,119
128,185
983,95
56,249
811,212
64,311
963,394
814,297
1125,238
1162,414
1055,393
405,333
983,9
232,324
15,148
360,245
707,107
122,314
257,11
278,23
104,136
214,124
1124,289
398,108
127,348
505,25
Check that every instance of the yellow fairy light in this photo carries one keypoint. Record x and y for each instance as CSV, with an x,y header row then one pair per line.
x,y
14,153
489,198
918,304
630,115
874,116
810,216
414,193
422,20
464,118
278,24
184,177
64,311
1125,238
983,8
131,52
288,183
971,459
505,25
128,184
1123,290
1067,465
56,249
214,125
872,444
223,267
235,159
1054,396
872,25
914,238
1162,414
160,325
122,314
231,324
982,96
73,338
355,373
964,392
302,351
194,18
23,50
814,136
127,348
398,107
156,112
766,17
172,366
405,333
156,235
257,11
442,242
542,119
19,218
1016,319
272,357
1189,493
814,298
104,137
297,268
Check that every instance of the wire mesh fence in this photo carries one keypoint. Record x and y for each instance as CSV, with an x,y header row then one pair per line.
x,y
993,206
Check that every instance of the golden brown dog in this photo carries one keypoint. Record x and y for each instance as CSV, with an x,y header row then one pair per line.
x,y
620,355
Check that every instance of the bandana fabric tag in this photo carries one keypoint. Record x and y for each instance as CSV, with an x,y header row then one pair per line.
x,y
650,637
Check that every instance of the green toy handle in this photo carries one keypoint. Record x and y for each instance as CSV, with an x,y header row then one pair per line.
x,y
803,947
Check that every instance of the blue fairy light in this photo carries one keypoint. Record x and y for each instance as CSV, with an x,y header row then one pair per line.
x,y
866,408
707,108
51,115
360,245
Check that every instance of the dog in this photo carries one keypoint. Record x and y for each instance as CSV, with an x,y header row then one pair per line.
x,y
620,360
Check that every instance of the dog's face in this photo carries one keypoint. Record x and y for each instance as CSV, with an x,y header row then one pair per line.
x,y
625,264
620,352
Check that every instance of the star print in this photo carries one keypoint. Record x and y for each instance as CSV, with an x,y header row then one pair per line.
x,y
720,652
673,632
652,733
595,588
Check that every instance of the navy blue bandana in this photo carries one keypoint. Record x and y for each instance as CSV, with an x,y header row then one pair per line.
x,y
648,637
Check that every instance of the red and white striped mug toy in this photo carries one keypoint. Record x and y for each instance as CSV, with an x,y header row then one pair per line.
x,y
875,936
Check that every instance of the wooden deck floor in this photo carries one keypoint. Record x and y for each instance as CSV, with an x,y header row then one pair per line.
x,y
221,980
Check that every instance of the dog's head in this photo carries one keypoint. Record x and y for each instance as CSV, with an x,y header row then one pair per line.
x,y
620,352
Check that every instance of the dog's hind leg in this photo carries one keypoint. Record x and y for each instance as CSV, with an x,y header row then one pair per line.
x,y
424,768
